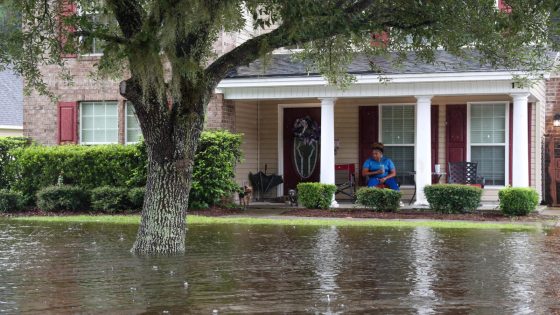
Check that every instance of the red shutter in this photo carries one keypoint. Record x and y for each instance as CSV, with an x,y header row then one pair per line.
x,y
380,39
456,133
369,134
68,8
67,122
503,6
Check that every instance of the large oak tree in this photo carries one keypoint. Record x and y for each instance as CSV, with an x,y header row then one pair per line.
x,y
163,52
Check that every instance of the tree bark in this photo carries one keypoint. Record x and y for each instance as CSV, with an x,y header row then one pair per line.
x,y
171,134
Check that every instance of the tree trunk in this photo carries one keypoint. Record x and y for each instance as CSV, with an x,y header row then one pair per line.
x,y
162,229
171,138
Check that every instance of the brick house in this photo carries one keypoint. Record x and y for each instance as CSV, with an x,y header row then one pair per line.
x,y
425,115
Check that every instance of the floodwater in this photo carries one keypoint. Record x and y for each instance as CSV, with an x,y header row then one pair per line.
x,y
60,268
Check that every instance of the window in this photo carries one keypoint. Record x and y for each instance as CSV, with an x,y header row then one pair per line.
x,y
133,132
397,134
99,122
488,141
95,20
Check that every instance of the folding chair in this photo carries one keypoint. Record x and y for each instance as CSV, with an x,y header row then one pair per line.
x,y
345,179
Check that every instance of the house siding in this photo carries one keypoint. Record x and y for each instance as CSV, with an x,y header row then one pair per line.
x,y
246,118
6,132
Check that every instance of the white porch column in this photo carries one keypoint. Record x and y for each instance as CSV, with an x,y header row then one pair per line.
x,y
520,159
327,143
423,159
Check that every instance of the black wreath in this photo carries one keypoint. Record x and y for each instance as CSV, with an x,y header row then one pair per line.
x,y
307,130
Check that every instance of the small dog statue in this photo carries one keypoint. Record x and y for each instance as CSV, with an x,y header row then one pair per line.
x,y
293,198
245,196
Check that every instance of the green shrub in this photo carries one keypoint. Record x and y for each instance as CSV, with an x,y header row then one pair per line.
x,y
62,198
88,167
214,168
6,145
518,200
379,199
136,197
453,198
315,195
109,199
10,201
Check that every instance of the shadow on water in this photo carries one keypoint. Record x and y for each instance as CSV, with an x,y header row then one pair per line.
x,y
74,268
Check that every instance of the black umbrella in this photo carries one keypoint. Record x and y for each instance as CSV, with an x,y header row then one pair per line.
x,y
263,183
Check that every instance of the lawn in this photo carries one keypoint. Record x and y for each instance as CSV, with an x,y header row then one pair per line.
x,y
196,219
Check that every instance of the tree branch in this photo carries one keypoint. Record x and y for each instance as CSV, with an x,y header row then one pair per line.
x,y
129,14
105,37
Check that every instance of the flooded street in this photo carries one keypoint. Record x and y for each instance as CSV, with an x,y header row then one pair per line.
x,y
242,269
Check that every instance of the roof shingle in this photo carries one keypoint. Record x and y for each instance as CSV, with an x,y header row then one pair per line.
x,y
281,65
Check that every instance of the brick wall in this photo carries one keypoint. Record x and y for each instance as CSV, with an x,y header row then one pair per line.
x,y
40,113
220,114
552,104
552,107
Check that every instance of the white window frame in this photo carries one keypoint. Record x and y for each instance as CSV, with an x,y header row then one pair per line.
x,y
80,12
126,124
506,144
380,131
82,142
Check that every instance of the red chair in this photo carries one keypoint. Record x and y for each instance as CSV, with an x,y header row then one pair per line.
x,y
345,179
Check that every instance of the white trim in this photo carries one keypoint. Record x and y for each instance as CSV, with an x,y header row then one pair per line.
x,y
81,142
504,144
126,124
391,89
11,127
280,144
280,148
372,78
380,132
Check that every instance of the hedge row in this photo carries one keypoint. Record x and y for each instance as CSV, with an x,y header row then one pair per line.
x,y
379,199
27,169
6,145
106,199
518,200
316,195
214,168
87,167
453,198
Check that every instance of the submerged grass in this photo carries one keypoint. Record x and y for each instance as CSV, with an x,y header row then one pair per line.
x,y
195,219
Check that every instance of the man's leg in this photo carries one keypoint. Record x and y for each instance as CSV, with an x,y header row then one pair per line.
x,y
392,183
373,182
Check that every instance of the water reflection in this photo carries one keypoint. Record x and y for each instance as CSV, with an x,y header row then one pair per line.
x,y
423,273
87,268
327,258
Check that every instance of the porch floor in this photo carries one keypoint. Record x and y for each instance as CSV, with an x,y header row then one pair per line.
x,y
347,204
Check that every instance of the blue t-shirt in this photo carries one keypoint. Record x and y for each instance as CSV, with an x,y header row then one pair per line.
x,y
372,165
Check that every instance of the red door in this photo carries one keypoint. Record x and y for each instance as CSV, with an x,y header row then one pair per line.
x,y
291,175
369,134
456,133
